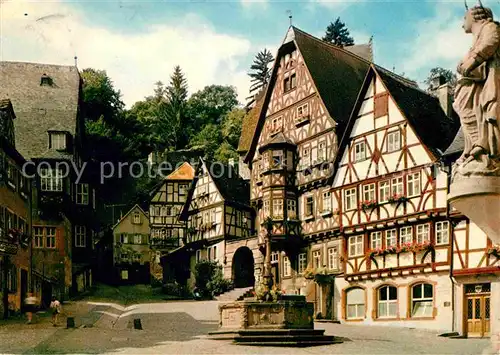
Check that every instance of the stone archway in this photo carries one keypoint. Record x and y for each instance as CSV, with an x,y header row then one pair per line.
x,y
243,268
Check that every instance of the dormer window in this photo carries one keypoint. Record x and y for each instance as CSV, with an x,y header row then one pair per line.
x,y
57,140
45,80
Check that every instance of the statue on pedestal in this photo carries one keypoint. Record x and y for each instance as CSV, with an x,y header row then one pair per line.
x,y
477,96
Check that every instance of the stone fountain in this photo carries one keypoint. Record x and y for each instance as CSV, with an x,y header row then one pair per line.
x,y
475,181
269,317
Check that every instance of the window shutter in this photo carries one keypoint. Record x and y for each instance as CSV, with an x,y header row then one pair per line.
x,y
381,105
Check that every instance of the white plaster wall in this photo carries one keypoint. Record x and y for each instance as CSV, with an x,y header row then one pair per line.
x,y
442,293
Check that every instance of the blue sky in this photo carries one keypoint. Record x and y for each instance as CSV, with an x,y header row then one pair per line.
x,y
214,42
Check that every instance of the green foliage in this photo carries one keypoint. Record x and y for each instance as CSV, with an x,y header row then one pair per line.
x,y
338,34
218,284
209,279
260,70
231,126
203,273
449,76
100,97
211,104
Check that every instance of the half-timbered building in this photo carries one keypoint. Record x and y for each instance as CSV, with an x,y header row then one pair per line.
x,y
220,222
167,231
476,267
293,144
390,199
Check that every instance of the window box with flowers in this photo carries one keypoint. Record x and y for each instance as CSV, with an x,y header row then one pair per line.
x,y
494,251
422,247
396,198
368,204
377,252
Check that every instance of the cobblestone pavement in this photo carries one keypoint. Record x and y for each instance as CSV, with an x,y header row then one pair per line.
x,y
182,327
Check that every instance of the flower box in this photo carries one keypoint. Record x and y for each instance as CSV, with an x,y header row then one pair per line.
x,y
396,198
368,204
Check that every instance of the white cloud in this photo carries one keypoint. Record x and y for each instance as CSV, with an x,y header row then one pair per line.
x,y
439,41
261,4
338,5
53,32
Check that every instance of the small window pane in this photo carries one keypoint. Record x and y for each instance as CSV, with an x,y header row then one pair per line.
x,y
427,291
393,293
383,293
417,291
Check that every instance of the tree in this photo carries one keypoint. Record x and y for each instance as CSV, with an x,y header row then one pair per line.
x,y
100,98
338,34
449,76
208,139
231,126
261,71
211,104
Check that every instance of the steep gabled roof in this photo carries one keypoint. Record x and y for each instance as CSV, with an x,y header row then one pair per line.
x,y
183,172
424,113
231,186
136,206
40,108
249,124
458,144
337,73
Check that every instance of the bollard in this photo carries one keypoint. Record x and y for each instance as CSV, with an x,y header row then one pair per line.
x,y
137,324
70,323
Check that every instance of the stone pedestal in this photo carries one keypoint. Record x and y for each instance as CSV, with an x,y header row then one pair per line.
x,y
287,322
478,198
292,312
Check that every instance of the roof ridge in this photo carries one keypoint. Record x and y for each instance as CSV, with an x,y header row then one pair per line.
x,y
38,63
330,45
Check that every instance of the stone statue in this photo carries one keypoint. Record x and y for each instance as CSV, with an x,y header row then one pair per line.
x,y
477,96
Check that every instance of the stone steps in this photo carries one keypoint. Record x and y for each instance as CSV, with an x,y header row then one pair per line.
x,y
285,337
233,295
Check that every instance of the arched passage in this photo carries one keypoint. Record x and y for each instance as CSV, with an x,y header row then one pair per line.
x,y
243,268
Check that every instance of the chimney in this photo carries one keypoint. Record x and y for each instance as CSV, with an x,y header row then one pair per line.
x,y
441,89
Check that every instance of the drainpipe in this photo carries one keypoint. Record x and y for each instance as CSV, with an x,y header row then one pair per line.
x,y
447,170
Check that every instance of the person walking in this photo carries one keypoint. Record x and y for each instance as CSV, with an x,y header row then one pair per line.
x,y
30,305
55,307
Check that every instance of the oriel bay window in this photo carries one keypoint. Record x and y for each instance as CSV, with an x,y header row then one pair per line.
x,y
387,302
422,296
309,206
355,303
278,208
277,160
291,208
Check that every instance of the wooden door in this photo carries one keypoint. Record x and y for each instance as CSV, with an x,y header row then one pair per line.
x,y
478,316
